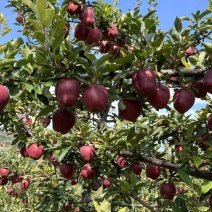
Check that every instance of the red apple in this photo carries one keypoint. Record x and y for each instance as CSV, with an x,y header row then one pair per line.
x,y
183,100
121,42
113,50
67,170
168,190
73,181
96,186
53,160
20,18
73,8
153,171
67,206
15,178
179,147
25,184
180,190
25,201
4,97
199,90
87,153
24,152
88,172
9,191
3,180
160,97
81,32
87,16
104,47
67,92
144,81
190,50
26,119
63,120
136,168
106,183
94,36
121,161
207,81
132,110
45,121
4,172
35,151
95,98
111,32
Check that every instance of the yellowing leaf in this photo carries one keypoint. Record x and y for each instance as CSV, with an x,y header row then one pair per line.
x,y
123,210
97,206
105,206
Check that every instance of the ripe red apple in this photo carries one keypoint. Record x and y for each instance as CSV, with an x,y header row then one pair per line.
x,y
179,147
14,194
144,81
4,97
121,42
136,168
210,121
104,47
199,90
95,98
153,171
207,81
25,201
132,110
190,50
81,32
53,160
67,206
210,201
87,16
67,92
168,190
183,100
87,153
15,178
4,172
20,18
25,184
24,152
67,170
35,151
45,121
113,50
121,161
73,8
26,119
106,183
9,191
3,180
111,32
88,172
96,186
94,36
160,97
73,181
202,141
63,120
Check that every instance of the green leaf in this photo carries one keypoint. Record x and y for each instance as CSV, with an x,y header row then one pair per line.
x,y
29,87
101,60
109,67
122,210
197,161
193,59
125,186
48,17
6,62
58,40
63,153
29,4
206,186
36,24
124,60
25,51
208,47
178,24
46,110
185,177
189,131
105,206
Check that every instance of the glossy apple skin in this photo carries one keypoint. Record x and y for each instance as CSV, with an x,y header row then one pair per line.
x,y
132,110
95,98
94,36
104,47
67,92
4,97
111,32
113,50
152,171
24,152
190,51
121,161
25,184
4,172
81,32
63,120
160,97
67,170
144,82
87,153
73,8
168,189
199,91
35,151
87,16
207,81
88,172
183,100
136,168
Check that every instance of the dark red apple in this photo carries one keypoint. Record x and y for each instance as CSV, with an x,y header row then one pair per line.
x,y
96,186
4,97
210,121
20,18
3,180
73,181
87,16
4,172
132,110
14,194
67,206
53,160
121,42
67,92
73,8
153,171
183,100
63,120
15,178
26,119
25,183
94,36
45,121
111,32
160,97
190,50
199,90
35,151
113,50
207,81
81,32
106,183
87,153
136,168
168,190
104,47
24,152
179,147
121,161
88,172
144,81
67,170
95,98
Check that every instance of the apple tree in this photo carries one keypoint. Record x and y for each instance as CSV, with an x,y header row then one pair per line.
x,y
83,87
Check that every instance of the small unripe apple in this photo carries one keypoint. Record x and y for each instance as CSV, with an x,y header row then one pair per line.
x,y
88,171
168,190
121,161
67,170
153,171
136,168
25,184
73,8
67,206
81,32
87,153
207,81
87,16
4,172
111,32
35,151
4,97
24,152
